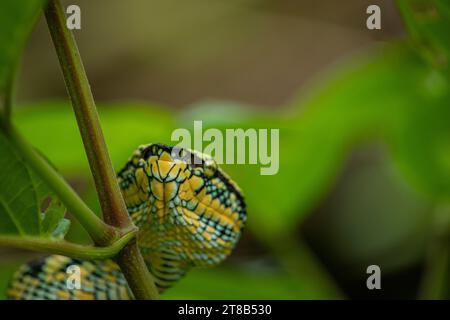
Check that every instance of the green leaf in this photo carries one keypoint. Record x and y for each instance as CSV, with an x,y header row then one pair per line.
x,y
53,223
365,100
360,102
371,100
16,21
19,207
22,193
428,22
313,141
421,145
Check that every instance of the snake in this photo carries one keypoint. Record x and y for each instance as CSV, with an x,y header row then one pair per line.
x,y
189,212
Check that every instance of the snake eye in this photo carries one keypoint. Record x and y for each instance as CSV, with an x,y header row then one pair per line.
x,y
209,167
179,153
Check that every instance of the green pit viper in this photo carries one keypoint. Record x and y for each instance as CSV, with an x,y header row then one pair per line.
x,y
189,213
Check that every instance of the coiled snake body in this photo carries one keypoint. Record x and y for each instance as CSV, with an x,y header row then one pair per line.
x,y
189,213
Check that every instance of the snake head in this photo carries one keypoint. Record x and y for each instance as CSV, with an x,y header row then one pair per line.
x,y
183,203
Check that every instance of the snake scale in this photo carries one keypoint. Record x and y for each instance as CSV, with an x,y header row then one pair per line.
x,y
189,213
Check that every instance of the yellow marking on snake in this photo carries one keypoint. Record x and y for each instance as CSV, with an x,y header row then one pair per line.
x,y
189,214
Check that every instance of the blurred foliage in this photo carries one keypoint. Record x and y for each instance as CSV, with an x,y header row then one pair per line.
x,y
369,100
243,283
125,126
368,201
428,23
397,95
352,105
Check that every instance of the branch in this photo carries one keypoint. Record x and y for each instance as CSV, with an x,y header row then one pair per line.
x,y
67,248
135,271
112,204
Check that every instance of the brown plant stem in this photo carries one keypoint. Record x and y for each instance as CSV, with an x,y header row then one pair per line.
x,y
112,204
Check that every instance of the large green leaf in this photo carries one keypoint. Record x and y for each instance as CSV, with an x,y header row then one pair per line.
x,y
22,194
19,206
53,223
378,99
16,20
364,100
421,141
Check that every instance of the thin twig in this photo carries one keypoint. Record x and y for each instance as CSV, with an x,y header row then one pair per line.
x,y
111,201
113,207
67,248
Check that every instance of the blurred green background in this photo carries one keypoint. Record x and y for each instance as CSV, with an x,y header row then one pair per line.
x,y
364,125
